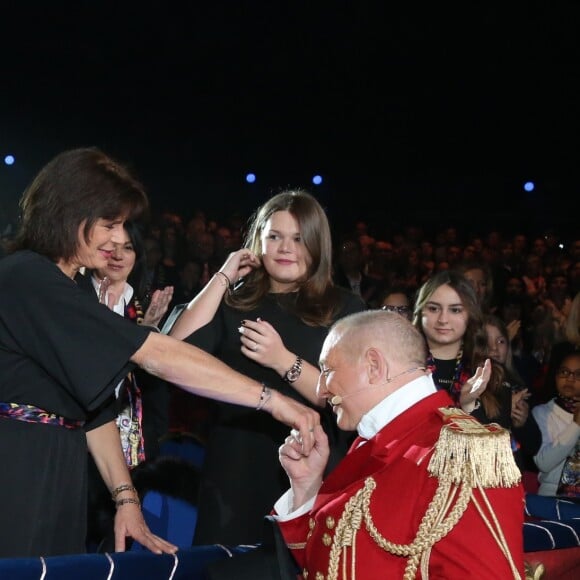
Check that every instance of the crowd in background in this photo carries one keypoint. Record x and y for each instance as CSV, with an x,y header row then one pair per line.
x,y
526,280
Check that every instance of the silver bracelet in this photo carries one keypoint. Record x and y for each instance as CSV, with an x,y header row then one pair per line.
x,y
265,396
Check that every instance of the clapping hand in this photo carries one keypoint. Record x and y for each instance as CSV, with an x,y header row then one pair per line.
x,y
475,386
103,287
158,306
520,408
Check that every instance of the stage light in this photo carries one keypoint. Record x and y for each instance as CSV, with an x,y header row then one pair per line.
x,y
529,186
250,178
317,179
9,160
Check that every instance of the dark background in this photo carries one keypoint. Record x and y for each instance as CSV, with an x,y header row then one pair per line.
x,y
413,113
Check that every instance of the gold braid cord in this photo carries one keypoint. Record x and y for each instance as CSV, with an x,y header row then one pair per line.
x,y
466,456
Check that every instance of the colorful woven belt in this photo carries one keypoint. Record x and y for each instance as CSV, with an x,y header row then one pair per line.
x,y
32,414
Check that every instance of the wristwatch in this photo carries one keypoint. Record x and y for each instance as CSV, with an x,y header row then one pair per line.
x,y
294,372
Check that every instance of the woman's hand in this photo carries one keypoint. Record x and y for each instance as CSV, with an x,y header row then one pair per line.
x,y
129,522
302,419
520,408
513,328
262,342
158,306
239,264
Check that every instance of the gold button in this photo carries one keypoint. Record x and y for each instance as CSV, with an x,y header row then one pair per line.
x,y
308,535
319,576
330,522
326,539
311,523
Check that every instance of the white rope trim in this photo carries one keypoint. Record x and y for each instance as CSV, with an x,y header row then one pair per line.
x,y
112,569
545,530
43,575
565,502
228,552
569,528
175,564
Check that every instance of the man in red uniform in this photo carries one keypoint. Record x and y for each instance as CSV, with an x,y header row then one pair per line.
x,y
426,491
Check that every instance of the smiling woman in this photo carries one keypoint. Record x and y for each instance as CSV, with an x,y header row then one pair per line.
x,y
271,328
141,399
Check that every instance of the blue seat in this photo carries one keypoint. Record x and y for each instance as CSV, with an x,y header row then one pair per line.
x,y
170,518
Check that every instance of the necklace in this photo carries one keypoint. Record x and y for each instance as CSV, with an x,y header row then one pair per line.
x,y
134,311
452,385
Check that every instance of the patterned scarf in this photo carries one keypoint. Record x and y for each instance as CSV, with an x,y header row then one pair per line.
x,y
569,485
565,403
129,422
130,418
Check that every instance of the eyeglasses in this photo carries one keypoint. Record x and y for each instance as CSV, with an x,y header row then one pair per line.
x,y
565,373
404,310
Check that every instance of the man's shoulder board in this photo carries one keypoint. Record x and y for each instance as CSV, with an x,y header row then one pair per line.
x,y
472,452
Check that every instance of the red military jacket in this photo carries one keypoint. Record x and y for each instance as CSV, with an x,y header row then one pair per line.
x,y
372,504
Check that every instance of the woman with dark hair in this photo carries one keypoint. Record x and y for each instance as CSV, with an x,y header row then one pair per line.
x,y
142,400
269,321
62,355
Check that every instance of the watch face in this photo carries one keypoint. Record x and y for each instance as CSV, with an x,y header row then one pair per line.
x,y
295,371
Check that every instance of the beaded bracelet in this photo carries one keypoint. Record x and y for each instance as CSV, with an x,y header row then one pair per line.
x,y
265,396
126,500
120,489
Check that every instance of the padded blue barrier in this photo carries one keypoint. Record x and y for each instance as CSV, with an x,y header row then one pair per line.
x,y
552,508
187,564
551,523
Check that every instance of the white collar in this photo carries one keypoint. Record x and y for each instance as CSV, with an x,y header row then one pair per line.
x,y
395,404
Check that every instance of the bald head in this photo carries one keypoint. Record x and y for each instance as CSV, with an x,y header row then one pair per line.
x,y
366,357
389,332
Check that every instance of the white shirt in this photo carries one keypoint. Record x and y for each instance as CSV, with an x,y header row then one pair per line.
x,y
559,435
118,308
124,298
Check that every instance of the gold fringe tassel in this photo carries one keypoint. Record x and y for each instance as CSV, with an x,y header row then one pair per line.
x,y
484,450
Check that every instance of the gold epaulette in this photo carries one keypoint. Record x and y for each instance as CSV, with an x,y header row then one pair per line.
x,y
471,452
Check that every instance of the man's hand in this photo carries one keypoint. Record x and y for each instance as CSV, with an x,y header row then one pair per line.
x,y
305,472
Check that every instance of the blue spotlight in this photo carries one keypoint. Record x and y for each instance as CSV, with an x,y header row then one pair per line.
x,y
529,186
9,160
250,177
317,179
